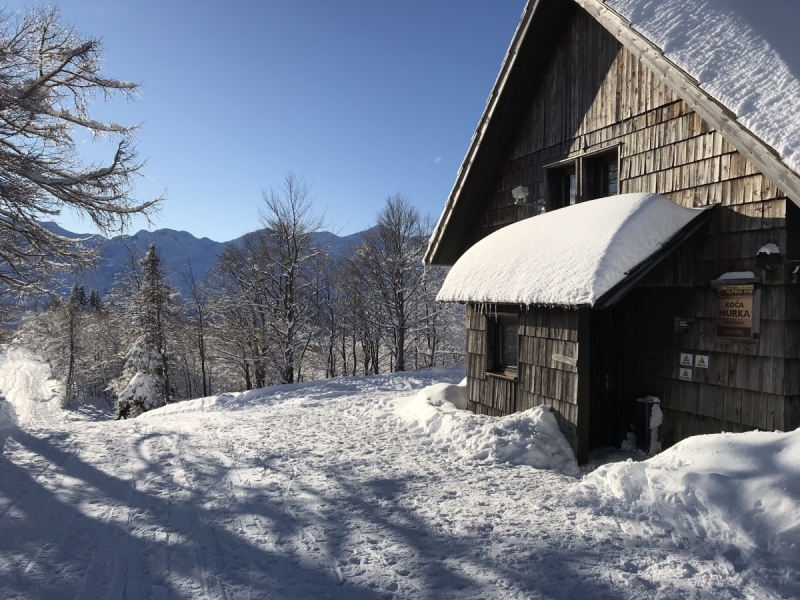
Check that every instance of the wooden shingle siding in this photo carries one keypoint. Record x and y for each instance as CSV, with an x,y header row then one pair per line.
x,y
593,95
596,94
544,332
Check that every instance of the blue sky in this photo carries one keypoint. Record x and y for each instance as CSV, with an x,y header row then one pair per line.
x,y
361,98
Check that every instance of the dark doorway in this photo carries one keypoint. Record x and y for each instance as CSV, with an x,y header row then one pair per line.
x,y
605,374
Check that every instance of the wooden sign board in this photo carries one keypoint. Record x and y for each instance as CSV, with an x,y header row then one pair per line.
x,y
735,311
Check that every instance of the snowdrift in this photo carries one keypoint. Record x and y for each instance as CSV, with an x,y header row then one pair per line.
x,y
27,393
309,391
739,491
530,438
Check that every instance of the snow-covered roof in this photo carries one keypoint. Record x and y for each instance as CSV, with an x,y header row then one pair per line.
x,y
567,257
744,53
735,62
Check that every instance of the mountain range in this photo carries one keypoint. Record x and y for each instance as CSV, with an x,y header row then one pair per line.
x,y
177,249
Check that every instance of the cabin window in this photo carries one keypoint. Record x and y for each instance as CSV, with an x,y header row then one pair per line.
x,y
601,175
503,333
562,186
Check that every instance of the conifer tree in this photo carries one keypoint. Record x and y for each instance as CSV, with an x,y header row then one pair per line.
x,y
146,367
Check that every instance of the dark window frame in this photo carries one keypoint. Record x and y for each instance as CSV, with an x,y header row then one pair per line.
x,y
497,326
556,192
597,168
582,166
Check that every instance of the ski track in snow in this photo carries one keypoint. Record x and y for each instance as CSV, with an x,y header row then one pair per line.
x,y
318,491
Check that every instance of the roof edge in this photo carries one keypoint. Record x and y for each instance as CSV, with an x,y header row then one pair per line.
x,y
619,291
477,137
761,154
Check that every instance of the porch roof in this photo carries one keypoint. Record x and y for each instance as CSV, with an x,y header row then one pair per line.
x,y
576,256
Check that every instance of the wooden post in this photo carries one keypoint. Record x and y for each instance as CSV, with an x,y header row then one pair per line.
x,y
584,384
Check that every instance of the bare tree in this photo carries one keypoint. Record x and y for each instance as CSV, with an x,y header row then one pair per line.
x,y
290,271
198,317
49,73
389,261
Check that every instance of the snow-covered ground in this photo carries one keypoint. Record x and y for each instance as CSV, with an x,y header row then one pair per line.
x,y
370,488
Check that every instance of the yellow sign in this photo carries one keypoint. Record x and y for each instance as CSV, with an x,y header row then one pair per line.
x,y
735,311
701,361
686,359
685,374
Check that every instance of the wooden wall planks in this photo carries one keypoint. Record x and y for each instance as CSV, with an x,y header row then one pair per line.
x,y
594,95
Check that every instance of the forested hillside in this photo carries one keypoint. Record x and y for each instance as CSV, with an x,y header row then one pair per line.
x,y
186,318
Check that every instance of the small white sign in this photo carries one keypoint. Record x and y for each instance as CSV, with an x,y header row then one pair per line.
x,y
686,359
684,374
701,361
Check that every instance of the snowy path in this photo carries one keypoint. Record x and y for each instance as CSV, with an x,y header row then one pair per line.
x,y
318,491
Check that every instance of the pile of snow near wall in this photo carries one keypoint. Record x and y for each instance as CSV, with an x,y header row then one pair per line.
x,y
738,491
530,438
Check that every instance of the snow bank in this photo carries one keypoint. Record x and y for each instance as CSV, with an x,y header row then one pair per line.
x,y
530,438
739,491
310,391
745,54
566,257
28,395
8,416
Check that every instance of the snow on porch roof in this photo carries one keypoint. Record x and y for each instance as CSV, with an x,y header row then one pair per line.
x,y
567,257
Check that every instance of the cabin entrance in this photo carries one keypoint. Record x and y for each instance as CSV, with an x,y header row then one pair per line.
x,y
605,344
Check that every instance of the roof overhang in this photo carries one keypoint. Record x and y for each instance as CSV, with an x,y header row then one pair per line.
x,y
520,69
590,254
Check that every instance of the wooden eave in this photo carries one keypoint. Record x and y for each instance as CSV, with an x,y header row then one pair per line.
x,y
521,69
616,293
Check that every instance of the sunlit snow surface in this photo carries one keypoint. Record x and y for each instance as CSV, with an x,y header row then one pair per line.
x,y
744,53
325,490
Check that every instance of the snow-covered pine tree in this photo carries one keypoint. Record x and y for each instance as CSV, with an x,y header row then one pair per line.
x,y
95,303
146,367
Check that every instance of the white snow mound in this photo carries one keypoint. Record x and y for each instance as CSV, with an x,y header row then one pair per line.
x,y
739,491
28,395
529,438
567,257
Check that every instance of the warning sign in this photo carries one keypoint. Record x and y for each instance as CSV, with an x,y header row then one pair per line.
x,y
686,359
735,311
685,374
701,361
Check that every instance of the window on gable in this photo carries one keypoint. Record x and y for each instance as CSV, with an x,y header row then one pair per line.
x,y
503,346
601,173
562,186
583,178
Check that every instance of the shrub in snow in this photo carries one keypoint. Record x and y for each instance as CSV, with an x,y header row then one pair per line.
x,y
145,380
530,438
140,395
739,491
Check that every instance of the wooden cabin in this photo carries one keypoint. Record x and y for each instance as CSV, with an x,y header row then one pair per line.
x,y
707,316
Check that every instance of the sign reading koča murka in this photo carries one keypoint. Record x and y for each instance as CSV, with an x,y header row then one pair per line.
x,y
735,311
